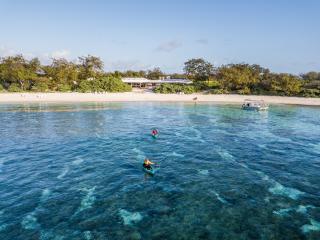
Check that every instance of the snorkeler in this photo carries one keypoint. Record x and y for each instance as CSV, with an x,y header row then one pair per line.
x,y
147,163
154,132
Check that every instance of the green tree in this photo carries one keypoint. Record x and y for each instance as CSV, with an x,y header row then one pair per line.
x,y
198,69
239,77
40,85
155,74
1,88
62,73
311,76
14,87
286,84
16,70
104,84
90,67
175,88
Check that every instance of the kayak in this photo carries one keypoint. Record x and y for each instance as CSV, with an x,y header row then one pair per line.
x,y
150,171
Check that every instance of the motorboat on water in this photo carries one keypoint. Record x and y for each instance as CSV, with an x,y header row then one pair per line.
x,y
255,105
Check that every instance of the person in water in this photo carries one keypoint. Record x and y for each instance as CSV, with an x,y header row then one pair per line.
x,y
154,132
147,164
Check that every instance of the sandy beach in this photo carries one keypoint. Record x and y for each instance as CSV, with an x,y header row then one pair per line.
x,y
152,97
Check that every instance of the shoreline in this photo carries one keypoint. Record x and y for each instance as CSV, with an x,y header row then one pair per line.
x,y
149,97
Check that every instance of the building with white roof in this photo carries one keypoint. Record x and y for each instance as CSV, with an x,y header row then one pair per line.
x,y
147,83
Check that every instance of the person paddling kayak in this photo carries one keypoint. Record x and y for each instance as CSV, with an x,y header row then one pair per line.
x,y
147,164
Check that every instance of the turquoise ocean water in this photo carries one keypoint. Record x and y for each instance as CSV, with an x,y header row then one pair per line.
x,y
74,172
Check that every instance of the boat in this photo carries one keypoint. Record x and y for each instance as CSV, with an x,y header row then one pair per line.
x,y
255,105
150,171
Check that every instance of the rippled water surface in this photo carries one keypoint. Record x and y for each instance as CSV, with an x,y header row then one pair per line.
x,y
74,172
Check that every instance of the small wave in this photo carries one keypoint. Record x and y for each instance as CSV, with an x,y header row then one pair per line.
x,y
220,199
88,200
203,172
225,154
45,194
283,211
198,135
78,161
174,154
63,173
130,217
30,222
314,226
140,154
264,146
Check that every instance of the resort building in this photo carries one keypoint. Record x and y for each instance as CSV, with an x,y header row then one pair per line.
x,y
147,83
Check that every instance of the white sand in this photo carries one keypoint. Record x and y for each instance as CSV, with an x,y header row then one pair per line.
x,y
151,97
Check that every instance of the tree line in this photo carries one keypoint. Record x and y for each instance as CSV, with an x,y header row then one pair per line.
x,y
87,74
244,78
18,74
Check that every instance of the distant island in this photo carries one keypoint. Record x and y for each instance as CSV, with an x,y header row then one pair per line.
x,y
87,75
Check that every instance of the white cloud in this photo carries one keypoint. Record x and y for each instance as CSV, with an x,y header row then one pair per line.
x,y
169,46
45,58
6,51
60,54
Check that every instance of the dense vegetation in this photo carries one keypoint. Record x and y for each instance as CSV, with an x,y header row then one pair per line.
x,y
244,79
18,74
175,88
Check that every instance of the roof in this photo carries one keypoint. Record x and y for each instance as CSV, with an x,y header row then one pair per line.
x,y
145,80
135,80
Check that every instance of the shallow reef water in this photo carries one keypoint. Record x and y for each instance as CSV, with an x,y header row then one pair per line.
x,y
74,171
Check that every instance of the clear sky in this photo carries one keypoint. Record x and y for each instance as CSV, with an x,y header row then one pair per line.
x,y
282,35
